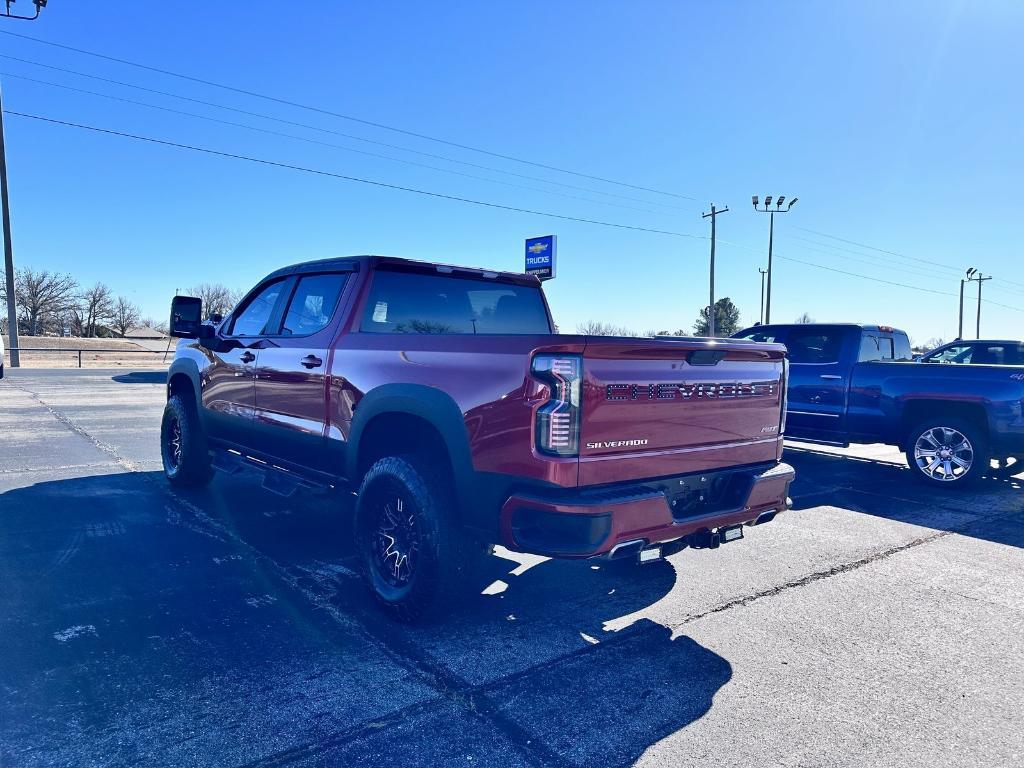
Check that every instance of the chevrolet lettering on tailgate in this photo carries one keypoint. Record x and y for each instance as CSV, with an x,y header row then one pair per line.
x,y
688,391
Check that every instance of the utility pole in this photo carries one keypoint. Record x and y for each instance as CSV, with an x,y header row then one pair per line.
x,y
980,279
771,236
763,272
711,307
963,282
12,312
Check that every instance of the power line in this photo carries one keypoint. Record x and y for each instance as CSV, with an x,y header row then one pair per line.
x,y
930,262
322,143
887,260
890,282
320,110
331,174
320,129
866,277
862,277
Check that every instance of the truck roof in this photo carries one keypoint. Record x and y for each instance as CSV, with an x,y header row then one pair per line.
x,y
355,263
862,326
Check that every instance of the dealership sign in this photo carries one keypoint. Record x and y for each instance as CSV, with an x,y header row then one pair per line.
x,y
540,256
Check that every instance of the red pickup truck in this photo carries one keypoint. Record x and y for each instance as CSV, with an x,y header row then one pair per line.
x,y
447,399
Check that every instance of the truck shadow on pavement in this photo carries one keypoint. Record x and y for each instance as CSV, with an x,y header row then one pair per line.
x,y
992,509
240,602
141,377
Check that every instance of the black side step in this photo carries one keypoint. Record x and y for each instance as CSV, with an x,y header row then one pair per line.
x,y
275,479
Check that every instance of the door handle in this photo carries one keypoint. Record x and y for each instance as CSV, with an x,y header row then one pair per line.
x,y
312,361
831,376
247,357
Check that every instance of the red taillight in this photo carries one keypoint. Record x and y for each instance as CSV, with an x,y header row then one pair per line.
x,y
558,420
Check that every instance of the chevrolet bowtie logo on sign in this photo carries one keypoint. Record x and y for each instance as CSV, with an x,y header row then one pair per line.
x,y
540,256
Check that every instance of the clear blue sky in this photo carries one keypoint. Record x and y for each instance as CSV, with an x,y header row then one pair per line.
x,y
898,125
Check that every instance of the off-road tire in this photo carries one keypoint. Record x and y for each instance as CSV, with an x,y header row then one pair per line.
x,y
183,447
445,565
946,433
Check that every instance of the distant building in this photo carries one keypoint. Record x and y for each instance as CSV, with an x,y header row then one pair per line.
x,y
144,332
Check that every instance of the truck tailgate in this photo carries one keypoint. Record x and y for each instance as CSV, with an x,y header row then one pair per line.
x,y
653,408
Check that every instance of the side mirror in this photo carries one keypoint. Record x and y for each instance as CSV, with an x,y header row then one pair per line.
x,y
186,317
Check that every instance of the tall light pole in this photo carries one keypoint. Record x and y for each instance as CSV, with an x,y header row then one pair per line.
x,y
763,273
12,312
711,307
771,235
980,279
963,282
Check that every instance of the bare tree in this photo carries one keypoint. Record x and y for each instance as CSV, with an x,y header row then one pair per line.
x,y
124,317
597,328
156,325
217,298
804,319
97,308
42,297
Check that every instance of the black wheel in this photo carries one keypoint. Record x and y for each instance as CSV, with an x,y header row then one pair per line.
x,y
183,448
1006,467
413,551
950,453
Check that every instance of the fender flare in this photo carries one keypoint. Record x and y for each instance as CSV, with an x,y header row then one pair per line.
x,y
430,404
189,369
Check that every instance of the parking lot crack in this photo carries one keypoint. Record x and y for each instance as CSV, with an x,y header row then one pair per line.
x,y
66,422
813,577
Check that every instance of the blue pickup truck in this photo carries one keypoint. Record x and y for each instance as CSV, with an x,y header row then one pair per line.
x,y
858,384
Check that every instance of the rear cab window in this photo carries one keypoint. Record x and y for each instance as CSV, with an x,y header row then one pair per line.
x,y
815,345
424,303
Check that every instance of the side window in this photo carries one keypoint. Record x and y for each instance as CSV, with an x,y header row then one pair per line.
x,y
814,345
989,354
313,304
252,318
768,335
960,353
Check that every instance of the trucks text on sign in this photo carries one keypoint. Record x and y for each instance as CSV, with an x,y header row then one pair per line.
x,y
541,256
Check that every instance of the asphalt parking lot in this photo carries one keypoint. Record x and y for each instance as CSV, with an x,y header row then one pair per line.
x,y
878,623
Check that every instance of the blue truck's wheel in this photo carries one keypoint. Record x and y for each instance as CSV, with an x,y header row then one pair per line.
x,y
414,554
183,447
947,452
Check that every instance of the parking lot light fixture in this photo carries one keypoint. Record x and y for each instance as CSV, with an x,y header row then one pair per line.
x,y
780,199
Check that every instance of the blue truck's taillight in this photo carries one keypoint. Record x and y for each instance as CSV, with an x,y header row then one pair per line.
x,y
558,420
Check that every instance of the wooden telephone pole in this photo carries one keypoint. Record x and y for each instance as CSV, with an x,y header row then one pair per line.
x,y
711,307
